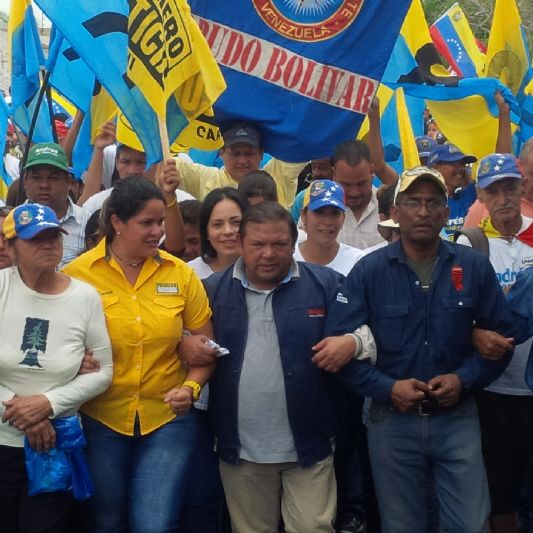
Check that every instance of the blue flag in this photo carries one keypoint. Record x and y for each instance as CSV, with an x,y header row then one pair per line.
x,y
305,71
27,58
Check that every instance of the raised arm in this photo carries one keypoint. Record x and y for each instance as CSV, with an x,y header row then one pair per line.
x,y
385,172
93,177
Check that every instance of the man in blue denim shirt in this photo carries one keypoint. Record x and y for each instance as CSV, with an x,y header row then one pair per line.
x,y
421,297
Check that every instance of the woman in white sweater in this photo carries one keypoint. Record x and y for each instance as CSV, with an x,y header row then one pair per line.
x,y
47,320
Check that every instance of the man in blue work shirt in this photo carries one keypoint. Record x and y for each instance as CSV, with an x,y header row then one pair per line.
x,y
421,297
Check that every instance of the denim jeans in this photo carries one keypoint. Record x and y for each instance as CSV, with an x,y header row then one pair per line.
x,y
204,503
140,480
407,449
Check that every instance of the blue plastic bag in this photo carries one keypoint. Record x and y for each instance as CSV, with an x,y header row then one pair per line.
x,y
61,468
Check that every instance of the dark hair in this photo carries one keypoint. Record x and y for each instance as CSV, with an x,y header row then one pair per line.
x,y
212,199
385,197
93,223
268,212
190,212
258,183
128,197
5,210
353,152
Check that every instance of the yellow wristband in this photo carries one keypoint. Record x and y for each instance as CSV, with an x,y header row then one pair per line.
x,y
172,204
195,387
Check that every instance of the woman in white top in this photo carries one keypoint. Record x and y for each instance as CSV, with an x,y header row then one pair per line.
x,y
323,216
220,218
47,320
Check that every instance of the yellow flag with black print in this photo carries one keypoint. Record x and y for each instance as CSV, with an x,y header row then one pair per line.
x,y
202,133
169,57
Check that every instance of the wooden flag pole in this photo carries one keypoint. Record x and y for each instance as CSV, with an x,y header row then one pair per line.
x,y
163,135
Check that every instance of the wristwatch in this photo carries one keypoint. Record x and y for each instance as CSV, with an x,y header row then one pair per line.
x,y
195,387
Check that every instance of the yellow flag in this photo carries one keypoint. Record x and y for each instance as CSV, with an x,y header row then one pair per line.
x,y
103,108
507,57
407,138
418,39
202,133
168,55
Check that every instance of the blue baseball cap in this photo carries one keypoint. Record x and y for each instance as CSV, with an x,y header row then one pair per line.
x,y
496,167
424,145
449,153
324,193
28,220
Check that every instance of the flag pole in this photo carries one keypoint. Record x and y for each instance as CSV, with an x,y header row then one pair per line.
x,y
42,91
163,134
51,112
165,147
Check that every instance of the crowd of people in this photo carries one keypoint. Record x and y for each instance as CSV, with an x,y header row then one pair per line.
x,y
301,348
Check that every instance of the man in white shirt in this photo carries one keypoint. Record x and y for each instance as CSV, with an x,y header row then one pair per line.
x,y
353,170
506,406
47,181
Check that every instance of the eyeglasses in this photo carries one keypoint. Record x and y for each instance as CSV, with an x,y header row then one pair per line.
x,y
415,204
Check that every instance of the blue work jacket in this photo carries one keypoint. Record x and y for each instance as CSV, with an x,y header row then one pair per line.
x,y
421,334
300,306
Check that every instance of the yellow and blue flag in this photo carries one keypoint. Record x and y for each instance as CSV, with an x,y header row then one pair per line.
x,y
464,108
455,40
5,179
305,71
120,61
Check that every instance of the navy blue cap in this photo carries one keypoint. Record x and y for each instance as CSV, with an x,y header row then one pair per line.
x,y
449,153
424,145
496,167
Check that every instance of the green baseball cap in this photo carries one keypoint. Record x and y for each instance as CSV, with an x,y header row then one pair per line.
x,y
47,154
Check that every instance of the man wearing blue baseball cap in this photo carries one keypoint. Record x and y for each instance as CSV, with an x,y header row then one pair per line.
x,y
452,163
506,406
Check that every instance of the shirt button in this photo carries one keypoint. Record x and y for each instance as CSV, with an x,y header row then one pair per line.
x,y
289,373
138,367
460,303
417,282
425,343
134,297
138,319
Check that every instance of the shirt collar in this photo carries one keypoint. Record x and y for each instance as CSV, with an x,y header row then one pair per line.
x,y
100,251
73,211
239,272
395,251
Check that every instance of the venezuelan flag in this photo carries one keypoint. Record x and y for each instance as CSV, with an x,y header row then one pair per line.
x,y
455,40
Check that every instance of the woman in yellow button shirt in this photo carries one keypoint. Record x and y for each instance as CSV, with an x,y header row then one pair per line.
x,y
140,432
